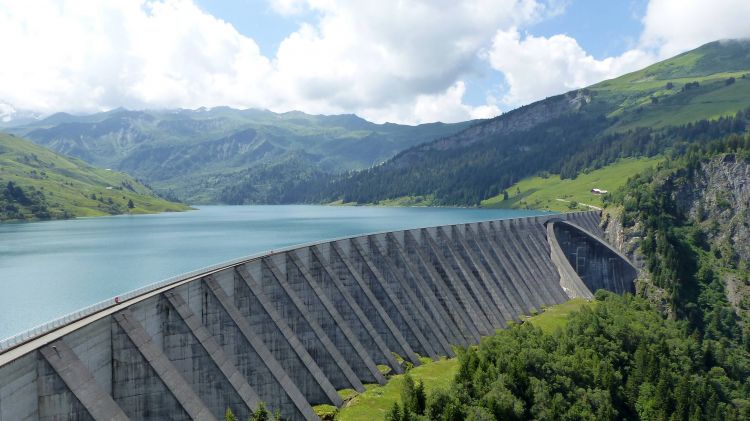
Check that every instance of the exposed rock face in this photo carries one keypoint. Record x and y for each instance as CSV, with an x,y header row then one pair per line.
x,y
719,199
717,196
523,118
625,240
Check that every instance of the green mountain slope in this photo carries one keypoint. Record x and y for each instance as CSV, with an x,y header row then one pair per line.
x,y
563,195
666,94
702,94
36,183
177,150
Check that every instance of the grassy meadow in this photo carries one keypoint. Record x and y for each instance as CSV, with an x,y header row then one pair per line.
x,y
73,188
552,193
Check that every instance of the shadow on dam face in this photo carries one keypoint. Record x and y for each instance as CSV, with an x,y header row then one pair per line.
x,y
291,327
596,264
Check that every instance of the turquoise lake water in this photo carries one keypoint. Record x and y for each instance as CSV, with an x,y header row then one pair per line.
x,y
49,269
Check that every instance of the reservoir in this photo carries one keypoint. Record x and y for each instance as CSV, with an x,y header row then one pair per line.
x,y
49,269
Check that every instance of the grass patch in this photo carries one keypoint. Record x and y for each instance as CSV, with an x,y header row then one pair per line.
x,y
347,394
325,411
377,400
384,369
556,317
552,193
424,360
713,99
654,96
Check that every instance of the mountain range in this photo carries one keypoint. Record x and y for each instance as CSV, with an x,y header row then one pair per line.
x,y
196,154
225,155
701,94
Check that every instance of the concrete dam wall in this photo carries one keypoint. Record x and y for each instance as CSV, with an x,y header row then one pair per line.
x,y
290,328
594,263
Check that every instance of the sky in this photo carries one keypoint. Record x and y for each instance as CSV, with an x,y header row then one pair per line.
x,y
402,61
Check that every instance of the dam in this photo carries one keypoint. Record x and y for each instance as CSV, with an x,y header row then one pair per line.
x,y
292,327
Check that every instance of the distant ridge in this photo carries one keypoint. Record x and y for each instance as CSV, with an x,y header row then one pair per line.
x,y
197,154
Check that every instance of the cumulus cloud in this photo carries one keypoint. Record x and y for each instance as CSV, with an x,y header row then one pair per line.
x,y
91,55
289,7
673,26
390,60
391,55
365,57
538,67
444,106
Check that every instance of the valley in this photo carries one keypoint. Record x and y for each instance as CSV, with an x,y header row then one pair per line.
x,y
231,156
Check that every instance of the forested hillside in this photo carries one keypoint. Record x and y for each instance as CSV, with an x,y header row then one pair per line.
x,y
702,94
617,360
679,350
36,183
197,154
686,224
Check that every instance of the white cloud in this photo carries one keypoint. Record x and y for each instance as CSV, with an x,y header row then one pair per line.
x,y
446,106
90,55
674,26
389,55
6,112
365,57
288,7
538,67
391,60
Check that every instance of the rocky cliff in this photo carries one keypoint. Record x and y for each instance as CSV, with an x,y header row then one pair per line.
x,y
518,120
718,199
715,196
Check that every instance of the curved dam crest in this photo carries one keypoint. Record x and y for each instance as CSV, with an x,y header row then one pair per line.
x,y
291,328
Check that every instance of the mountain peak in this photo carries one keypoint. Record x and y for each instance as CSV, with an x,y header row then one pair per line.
x,y
724,56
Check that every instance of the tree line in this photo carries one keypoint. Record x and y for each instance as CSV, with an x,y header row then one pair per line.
x,y
617,359
624,357
466,175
